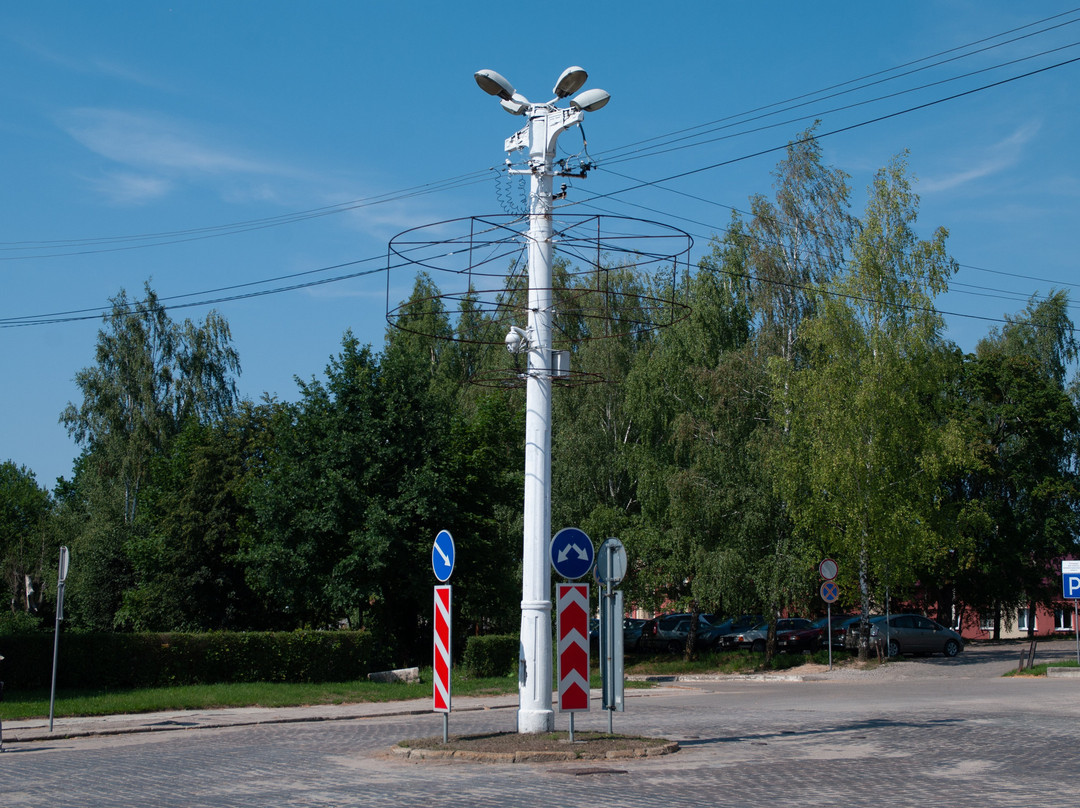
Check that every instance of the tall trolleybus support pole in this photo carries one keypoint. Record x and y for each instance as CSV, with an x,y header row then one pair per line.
x,y
546,123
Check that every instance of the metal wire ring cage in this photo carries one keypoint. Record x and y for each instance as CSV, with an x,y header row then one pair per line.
x,y
613,276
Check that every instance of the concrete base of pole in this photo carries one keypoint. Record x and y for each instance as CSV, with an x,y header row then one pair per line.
x,y
535,713
533,721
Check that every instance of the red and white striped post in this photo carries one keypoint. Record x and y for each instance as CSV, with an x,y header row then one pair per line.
x,y
573,633
442,654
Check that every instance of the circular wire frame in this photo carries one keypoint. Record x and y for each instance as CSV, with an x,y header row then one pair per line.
x,y
612,276
504,378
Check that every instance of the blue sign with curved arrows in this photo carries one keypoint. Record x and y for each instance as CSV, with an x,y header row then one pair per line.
x,y
571,553
442,556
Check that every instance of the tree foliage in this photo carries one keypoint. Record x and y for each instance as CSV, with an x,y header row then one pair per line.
x,y
808,406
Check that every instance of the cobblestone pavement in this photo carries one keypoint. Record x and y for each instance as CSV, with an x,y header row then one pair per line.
x,y
934,731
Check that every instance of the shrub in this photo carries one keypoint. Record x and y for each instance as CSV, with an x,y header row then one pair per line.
x,y
100,660
491,655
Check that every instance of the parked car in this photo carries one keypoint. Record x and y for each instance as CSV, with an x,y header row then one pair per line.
x,y
631,633
705,638
847,631
812,638
915,634
754,639
669,632
735,624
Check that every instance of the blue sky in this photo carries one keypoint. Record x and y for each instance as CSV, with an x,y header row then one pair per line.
x,y
177,142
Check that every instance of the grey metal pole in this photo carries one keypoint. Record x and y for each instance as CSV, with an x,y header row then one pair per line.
x,y
828,617
56,650
610,660
60,579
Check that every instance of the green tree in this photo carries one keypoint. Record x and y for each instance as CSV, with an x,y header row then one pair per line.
x,y
693,395
364,471
869,446
24,549
1017,498
187,574
150,378
794,245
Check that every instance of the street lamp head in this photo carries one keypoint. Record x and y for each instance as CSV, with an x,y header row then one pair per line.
x,y
590,100
494,84
517,105
570,81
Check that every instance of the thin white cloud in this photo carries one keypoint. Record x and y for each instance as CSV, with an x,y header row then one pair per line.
x,y
125,188
154,142
84,64
999,157
152,154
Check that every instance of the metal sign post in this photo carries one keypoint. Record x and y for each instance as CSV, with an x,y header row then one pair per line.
x,y
62,577
828,569
442,564
611,568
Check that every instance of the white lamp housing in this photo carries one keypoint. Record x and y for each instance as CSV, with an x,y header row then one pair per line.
x,y
494,84
570,81
517,105
590,100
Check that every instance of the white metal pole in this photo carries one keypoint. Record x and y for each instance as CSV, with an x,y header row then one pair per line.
x,y
535,712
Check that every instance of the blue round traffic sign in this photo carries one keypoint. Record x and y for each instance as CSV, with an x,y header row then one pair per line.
x,y
442,555
829,591
571,553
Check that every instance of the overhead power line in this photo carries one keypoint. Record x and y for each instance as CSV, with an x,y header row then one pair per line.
x,y
81,246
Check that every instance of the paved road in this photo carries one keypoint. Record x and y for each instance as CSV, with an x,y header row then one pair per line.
x,y
923,732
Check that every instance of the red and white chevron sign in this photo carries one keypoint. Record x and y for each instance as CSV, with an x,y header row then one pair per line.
x,y
442,649
573,632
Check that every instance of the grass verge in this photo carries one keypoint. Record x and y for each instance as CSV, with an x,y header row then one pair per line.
x,y
35,704
69,703
1040,670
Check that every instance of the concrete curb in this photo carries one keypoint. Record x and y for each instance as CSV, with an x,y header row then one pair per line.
x,y
1063,673
536,756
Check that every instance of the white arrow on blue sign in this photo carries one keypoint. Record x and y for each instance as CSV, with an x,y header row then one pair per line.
x,y
571,553
442,555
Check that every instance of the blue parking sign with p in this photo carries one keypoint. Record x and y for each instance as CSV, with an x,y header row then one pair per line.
x,y
1071,582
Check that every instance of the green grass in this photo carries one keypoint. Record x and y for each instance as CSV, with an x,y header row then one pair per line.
x,y
1040,670
34,704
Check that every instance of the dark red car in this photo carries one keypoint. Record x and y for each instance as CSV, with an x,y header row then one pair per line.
x,y
796,641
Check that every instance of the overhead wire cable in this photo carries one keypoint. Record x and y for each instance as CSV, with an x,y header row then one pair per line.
x,y
848,82
830,133
818,114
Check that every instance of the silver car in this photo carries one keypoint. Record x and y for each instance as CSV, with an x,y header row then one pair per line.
x,y
915,634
